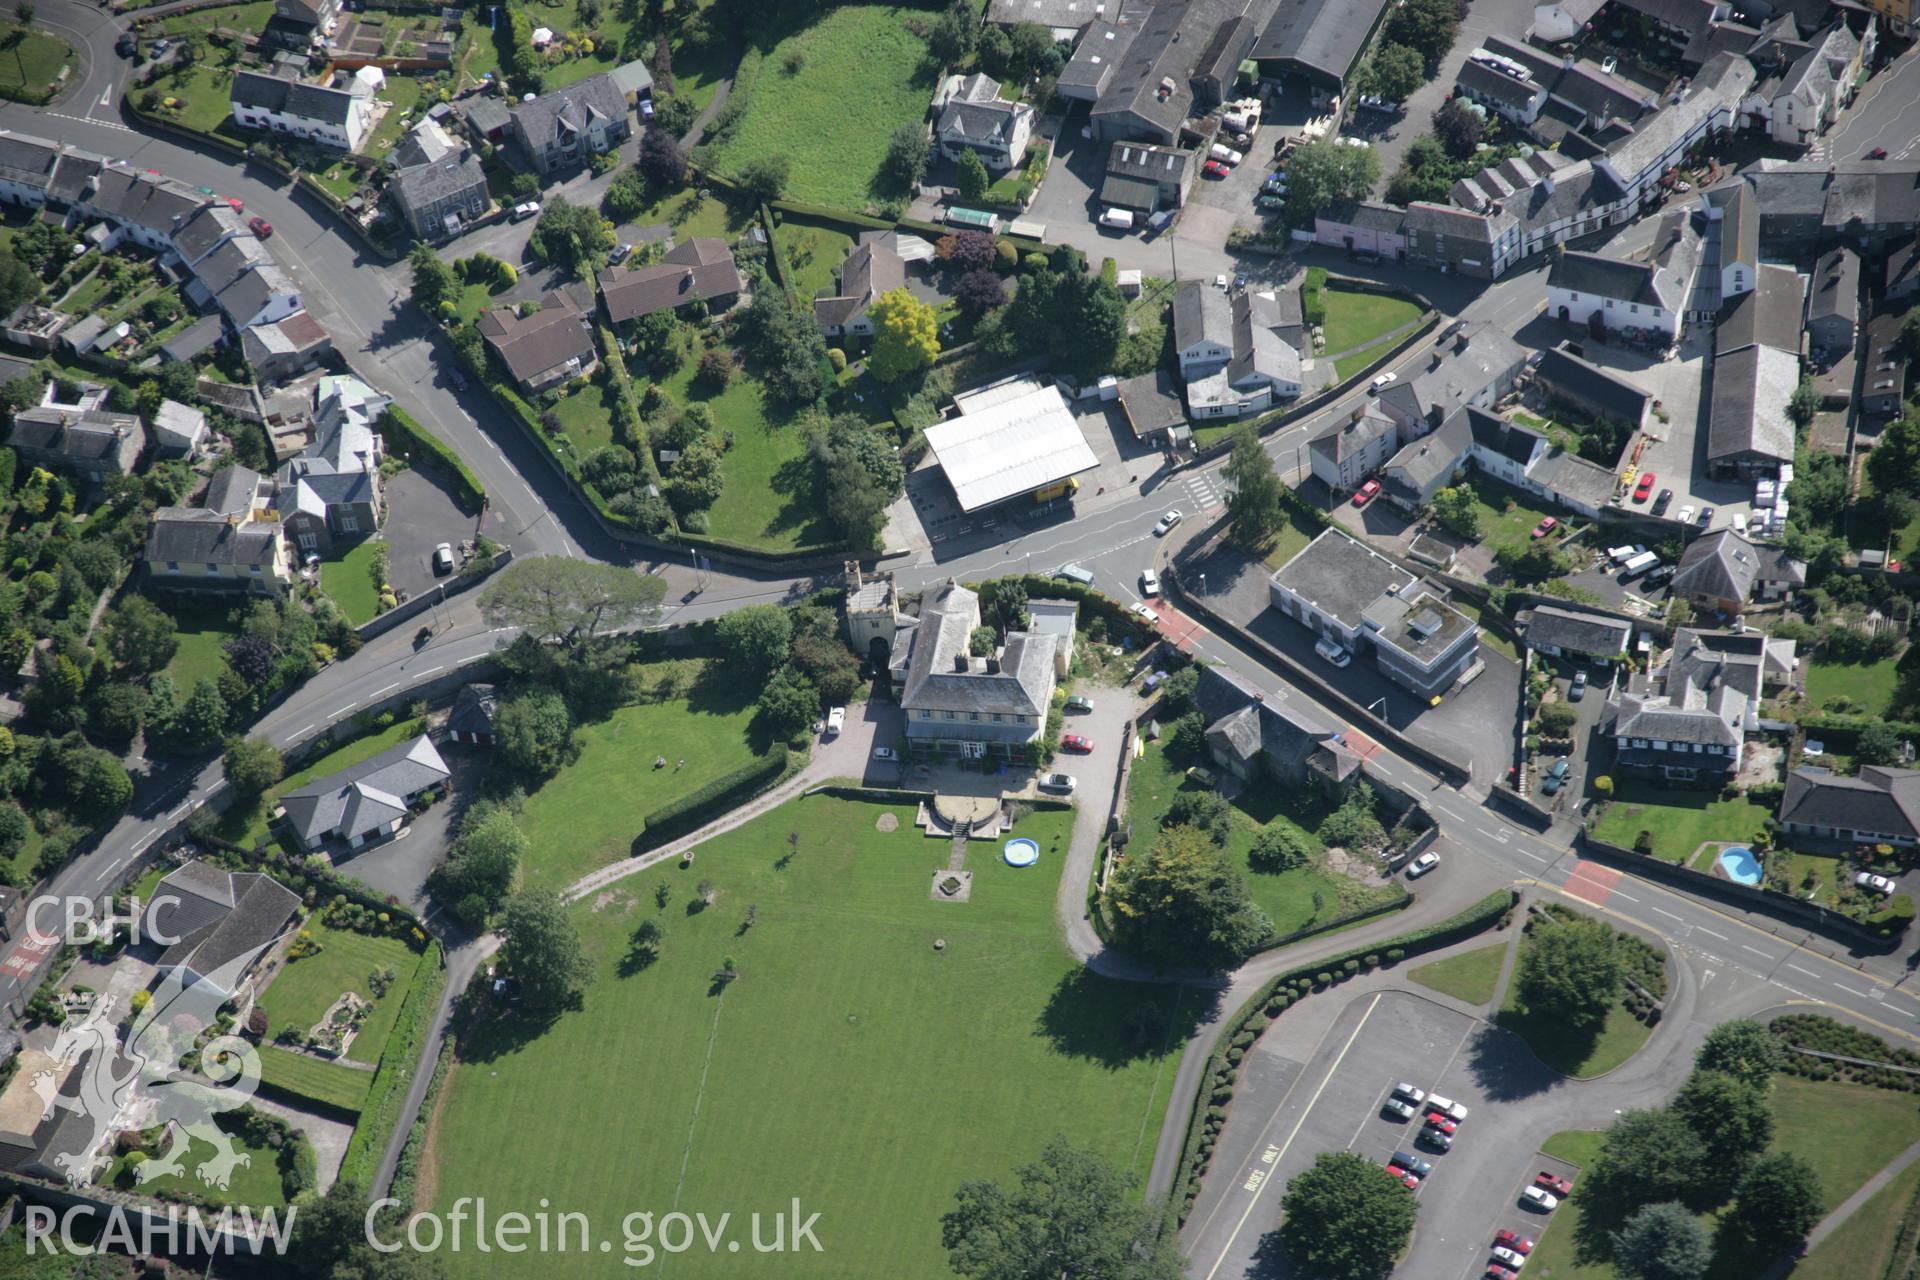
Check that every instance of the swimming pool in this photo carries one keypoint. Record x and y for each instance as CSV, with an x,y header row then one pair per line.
x,y
1021,852
1740,865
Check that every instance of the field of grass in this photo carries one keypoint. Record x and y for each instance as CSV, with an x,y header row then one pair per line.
x,y
247,824
1869,685
1863,1245
828,97
306,1076
201,633
689,215
1296,899
818,248
588,814
768,501
56,1264
1347,366
851,1059
1361,319
1470,976
30,58
586,416
304,988
348,579
1680,821
250,18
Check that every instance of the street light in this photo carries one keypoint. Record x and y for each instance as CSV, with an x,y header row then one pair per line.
x,y
1380,703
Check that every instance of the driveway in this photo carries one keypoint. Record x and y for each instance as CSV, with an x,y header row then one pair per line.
x,y
421,514
398,868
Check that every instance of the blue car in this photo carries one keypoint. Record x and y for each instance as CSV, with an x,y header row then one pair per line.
x,y
1556,777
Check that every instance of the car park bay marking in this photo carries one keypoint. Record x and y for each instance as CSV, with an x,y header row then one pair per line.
x,y
1254,1200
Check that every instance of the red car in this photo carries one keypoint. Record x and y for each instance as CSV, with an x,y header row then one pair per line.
x,y
234,204
1074,742
1407,1180
1545,527
1364,494
1437,1121
261,227
1547,1182
1214,169
1497,1272
1645,487
1878,153
1513,1240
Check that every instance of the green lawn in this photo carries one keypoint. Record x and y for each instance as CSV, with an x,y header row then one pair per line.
x,y
348,579
474,299
303,989
30,58
402,92
829,96
697,72
1470,976
1863,1245
690,215
588,814
306,1076
1679,821
1359,319
810,251
1865,532
852,1064
1296,899
768,500
1576,1053
1870,686
204,93
586,416
1292,539
250,18
201,633
255,1183
1347,366
1507,516
248,824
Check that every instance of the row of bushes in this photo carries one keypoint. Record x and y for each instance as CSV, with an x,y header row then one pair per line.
x,y
691,811
1274,998
381,1110
407,439
1824,1035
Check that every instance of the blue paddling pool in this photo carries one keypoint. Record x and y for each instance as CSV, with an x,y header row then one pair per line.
x,y
1740,865
1021,852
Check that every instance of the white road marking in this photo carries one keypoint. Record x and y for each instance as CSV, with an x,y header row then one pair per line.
x,y
145,841
431,670
303,731
1669,915
1710,933
1797,969
1850,991
1537,858
1757,951
394,685
1629,897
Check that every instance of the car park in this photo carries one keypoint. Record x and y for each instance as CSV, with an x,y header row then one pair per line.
x,y
1513,1240
1551,1182
1399,1109
1447,1107
1079,704
1149,582
1578,689
1643,489
1061,782
1877,884
1170,519
1330,651
1365,493
836,721
1074,742
1422,864
1413,1164
1535,1198
1545,527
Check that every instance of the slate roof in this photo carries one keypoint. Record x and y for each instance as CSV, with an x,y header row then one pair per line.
x,y
1094,58
232,490
1835,293
365,797
1168,45
1881,197
1577,630
1201,313
701,267
1616,398
1323,35
297,333
295,98
1155,164
196,535
84,436
1599,95
156,204
218,915
1345,437
1241,719
1748,410
1719,86
1881,800
532,345
206,229
27,160
561,114
425,184
1708,718
178,426
1508,439
991,121
1430,458
1601,276
935,680
474,708
870,270
1767,314
197,337
1724,565
1152,403
1748,660
1490,83
72,175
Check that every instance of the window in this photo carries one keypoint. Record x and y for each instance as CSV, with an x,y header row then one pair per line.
x,y
997,717
1609,304
308,542
925,714
173,566
946,715
973,715
1634,308
253,569
349,523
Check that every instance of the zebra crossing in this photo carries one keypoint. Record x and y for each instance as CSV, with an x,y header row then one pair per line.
x,y
1206,489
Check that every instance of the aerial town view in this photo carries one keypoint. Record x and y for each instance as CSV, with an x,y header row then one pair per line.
x,y
959,639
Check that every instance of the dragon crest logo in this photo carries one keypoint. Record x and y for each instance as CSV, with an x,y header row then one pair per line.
x,y
163,1075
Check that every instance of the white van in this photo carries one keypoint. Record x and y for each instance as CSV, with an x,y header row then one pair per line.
x,y
1639,564
1119,219
1621,554
1224,154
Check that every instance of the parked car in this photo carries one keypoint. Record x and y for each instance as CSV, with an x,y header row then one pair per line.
x,y
1545,527
1644,487
1422,864
1413,1164
1610,65
1510,1257
1661,503
1657,578
1270,203
1578,689
1400,1110
1411,1094
526,209
1079,704
159,48
1143,613
1383,380
836,721
1546,1181
1513,1240
1365,493
443,558
1706,517
1074,573
126,46
1061,782
1877,884
1445,1124
886,755
620,254
1074,742
458,379
646,108
1553,779
1330,651
1684,514
260,226
1535,1198
1149,582
1446,1106
1167,522
1436,1139
1117,219
1407,1180
1878,153
1224,154
1497,1272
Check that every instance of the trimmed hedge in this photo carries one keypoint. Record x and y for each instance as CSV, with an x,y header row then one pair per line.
x,y
1825,1035
1273,999
693,810
411,441
380,1112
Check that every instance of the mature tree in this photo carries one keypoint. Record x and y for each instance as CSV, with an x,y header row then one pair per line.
x,y
1206,810
1183,902
1647,1157
1395,72
117,711
698,478
661,160
979,291
787,704
1744,1049
906,160
1730,1117
859,475
755,639
1818,491
1254,503
1878,743
954,34
203,717
973,179
1458,511
14,828
1804,402
1345,1218
765,179
94,783
788,344
1779,1200
557,597
1427,26
572,237
1459,130
1662,1242
827,665
1570,971
542,951
140,635
253,765
534,733
1321,174
481,867
18,284
627,196
1278,847
1070,1213
967,251
1894,464
328,1241
1032,50
433,280
906,335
